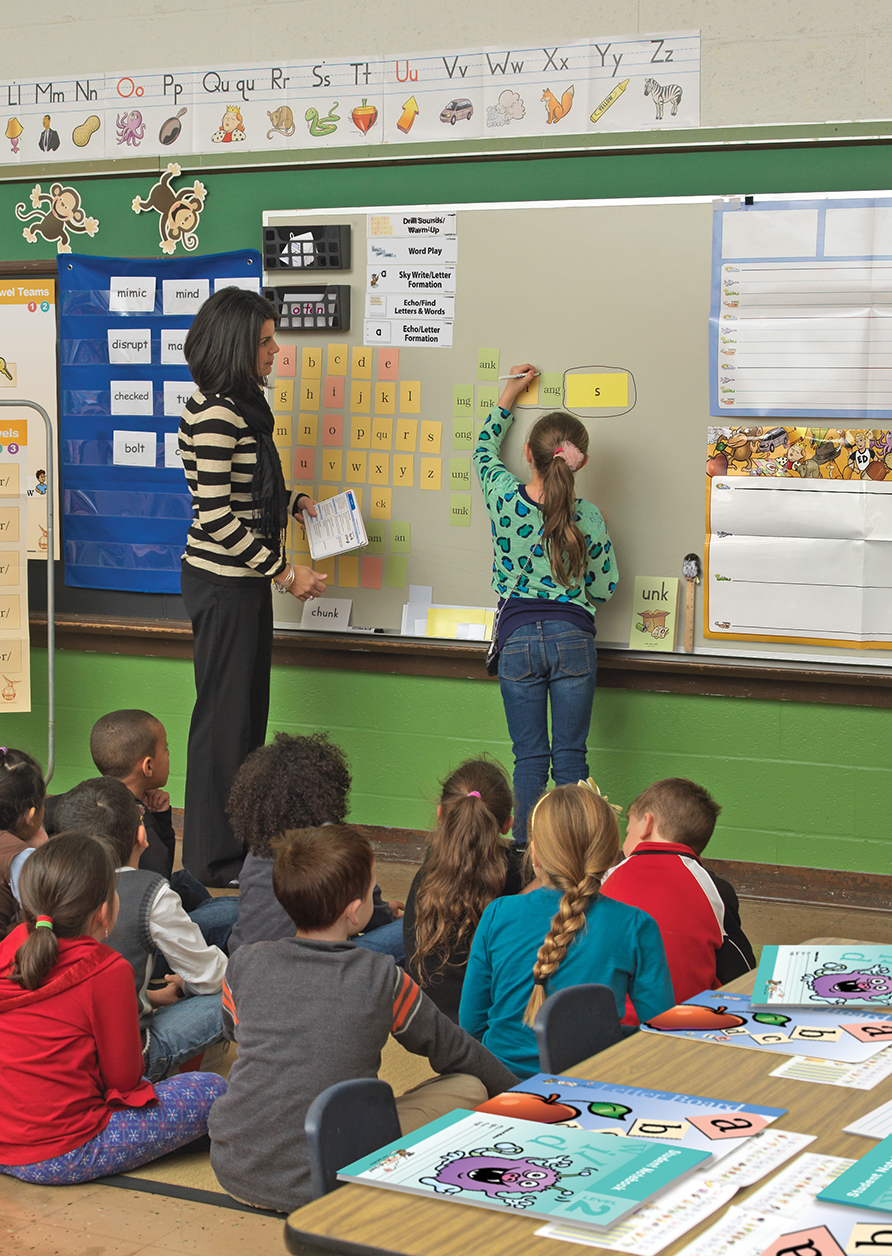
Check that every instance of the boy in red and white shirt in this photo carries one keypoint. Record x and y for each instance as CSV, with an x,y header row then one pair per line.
x,y
668,827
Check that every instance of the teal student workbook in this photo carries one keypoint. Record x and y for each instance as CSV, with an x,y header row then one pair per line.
x,y
824,976
867,1184
521,1166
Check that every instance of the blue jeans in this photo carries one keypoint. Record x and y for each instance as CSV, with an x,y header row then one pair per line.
x,y
549,661
386,939
182,1029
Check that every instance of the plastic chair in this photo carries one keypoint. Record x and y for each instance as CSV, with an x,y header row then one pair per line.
x,y
574,1023
347,1121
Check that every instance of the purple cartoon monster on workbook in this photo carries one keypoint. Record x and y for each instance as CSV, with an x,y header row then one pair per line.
x,y
512,1182
839,984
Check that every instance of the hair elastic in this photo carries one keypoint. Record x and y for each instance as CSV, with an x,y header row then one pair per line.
x,y
473,793
540,981
573,456
43,922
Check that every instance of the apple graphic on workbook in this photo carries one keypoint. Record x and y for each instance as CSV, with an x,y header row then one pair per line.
x,y
529,1107
694,1016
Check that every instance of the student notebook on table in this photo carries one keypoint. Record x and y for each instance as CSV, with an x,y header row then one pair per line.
x,y
336,528
824,976
866,1184
520,1166
712,1125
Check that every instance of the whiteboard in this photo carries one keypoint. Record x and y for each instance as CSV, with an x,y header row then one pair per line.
x,y
566,285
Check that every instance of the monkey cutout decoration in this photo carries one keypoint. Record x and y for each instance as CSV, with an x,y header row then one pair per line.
x,y
179,211
55,215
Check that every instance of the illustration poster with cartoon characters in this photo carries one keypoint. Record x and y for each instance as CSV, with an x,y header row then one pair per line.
x,y
15,653
28,372
824,976
799,540
590,85
520,1166
799,320
823,1033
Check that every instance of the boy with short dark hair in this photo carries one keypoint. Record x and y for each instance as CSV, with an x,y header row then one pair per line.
x,y
668,827
180,1021
315,1009
131,746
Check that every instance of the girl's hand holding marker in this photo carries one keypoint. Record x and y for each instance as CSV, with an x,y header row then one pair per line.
x,y
520,378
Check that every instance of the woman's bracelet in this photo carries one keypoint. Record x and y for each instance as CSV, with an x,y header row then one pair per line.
x,y
287,583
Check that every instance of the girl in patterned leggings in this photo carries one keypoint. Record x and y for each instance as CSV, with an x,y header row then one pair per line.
x,y
74,1104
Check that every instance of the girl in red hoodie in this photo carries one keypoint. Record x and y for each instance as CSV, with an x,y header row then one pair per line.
x,y
74,1104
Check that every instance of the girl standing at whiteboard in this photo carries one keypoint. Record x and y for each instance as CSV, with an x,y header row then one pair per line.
x,y
553,563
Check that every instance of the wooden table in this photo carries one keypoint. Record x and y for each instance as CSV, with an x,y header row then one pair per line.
x,y
367,1221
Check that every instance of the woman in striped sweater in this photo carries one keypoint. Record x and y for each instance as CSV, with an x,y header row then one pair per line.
x,y
234,549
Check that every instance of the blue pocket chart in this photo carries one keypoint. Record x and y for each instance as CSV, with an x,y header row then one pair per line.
x,y
123,381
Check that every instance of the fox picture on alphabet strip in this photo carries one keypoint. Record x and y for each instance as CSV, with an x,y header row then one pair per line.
x,y
558,109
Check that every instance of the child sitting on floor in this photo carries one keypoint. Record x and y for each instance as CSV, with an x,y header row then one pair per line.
x,y
563,934
74,1104
183,1019
668,828
314,1009
469,863
131,747
293,783
22,796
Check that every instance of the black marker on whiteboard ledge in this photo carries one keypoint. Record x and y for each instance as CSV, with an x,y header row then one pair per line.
x,y
520,376
355,628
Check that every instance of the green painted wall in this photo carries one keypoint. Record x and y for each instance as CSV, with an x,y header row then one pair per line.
x,y
801,784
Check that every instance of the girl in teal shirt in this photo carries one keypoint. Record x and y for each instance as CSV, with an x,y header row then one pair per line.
x,y
574,839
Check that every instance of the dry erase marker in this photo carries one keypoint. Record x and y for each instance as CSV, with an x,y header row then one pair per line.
x,y
520,376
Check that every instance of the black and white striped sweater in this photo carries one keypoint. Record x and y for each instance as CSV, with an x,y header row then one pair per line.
x,y
219,452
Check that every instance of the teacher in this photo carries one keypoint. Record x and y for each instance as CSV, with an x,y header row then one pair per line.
x,y
234,548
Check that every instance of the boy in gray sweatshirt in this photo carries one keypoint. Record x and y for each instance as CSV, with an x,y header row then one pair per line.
x,y
315,1009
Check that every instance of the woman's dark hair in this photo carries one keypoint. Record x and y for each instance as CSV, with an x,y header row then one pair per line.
x,y
223,341
66,879
294,783
21,787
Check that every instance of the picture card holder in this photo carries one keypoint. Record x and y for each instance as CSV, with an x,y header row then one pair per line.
x,y
309,308
303,247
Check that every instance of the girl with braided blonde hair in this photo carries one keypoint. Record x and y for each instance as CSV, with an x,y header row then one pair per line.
x,y
564,933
